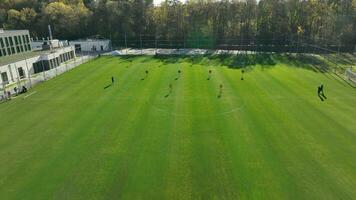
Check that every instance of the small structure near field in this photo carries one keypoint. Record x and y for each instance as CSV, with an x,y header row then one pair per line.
x,y
91,45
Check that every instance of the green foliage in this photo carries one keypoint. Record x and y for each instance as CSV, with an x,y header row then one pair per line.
x,y
265,21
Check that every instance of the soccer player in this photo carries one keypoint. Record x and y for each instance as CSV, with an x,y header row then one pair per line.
x,y
24,89
322,91
220,92
112,80
242,74
319,90
209,75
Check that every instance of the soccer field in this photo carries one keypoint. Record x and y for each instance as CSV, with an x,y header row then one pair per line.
x,y
268,136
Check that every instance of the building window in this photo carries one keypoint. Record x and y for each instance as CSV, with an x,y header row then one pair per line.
x,y
0,52
16,41
4,52
19,38
29,47
9,51
11,42
21,72
6,42
13,50
37,67
2,43
21,47
25,47
18,49
4,78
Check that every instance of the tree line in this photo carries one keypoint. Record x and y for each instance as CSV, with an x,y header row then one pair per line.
x,y
196,22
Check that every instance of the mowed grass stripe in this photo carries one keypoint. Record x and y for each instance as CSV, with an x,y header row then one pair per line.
x,y
73,140
71,136
315,146
148,154
178,175
51,99
120,141
324,143
265,166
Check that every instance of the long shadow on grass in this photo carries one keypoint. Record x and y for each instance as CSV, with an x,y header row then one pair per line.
x,y
106,87
319,64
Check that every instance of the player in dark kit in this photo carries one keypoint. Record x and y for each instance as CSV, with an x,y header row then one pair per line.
x,y
321,92
112,80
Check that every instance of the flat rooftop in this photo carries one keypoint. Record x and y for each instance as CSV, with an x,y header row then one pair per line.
x,y
5,60
11,31
89,40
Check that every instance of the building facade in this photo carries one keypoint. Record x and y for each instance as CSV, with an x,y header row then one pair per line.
x,y
14,42
14,72
91,45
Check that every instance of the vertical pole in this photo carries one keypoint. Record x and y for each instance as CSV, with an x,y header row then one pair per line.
x,y
141,43
198,42
126,42
155,43
28,73
18,76
3,86
55,64
43,71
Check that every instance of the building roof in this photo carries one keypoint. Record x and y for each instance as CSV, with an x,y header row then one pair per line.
x,y
90,40
2,31
6,60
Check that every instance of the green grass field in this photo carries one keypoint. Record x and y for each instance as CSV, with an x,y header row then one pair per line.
x,y
268,136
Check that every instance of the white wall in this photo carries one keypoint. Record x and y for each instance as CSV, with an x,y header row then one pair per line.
x,y
87,45
27,65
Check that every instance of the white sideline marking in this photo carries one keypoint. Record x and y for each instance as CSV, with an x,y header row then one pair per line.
x,y
30,94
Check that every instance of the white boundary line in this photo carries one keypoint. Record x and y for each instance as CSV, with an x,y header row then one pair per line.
x,y
30,94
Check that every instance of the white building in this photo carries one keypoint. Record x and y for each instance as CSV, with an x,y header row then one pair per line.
x,y
17,67
45,44
14,42
96,45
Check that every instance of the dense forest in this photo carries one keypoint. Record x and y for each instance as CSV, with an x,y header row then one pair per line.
x,y
324,22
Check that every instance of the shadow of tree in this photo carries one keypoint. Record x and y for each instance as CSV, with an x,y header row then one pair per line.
x,y
242,61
